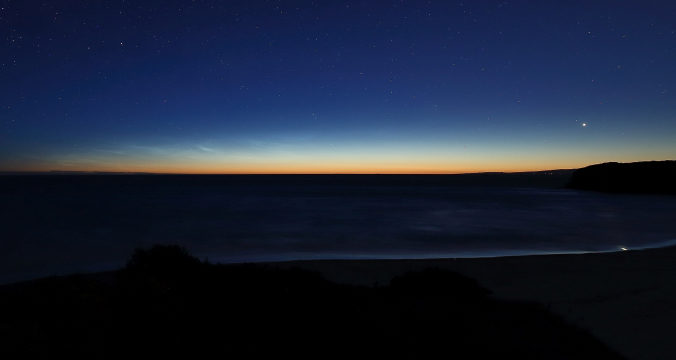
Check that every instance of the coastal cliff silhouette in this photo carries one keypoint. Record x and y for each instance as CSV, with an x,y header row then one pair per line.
x,y
655,177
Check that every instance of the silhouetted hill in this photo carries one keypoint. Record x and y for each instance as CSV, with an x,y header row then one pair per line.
x,y
167,304
657,177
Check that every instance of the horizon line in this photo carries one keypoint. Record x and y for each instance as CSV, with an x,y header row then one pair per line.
x,y
78,172
104,172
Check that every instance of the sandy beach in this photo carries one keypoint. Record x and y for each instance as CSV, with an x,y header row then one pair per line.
x,y
626,299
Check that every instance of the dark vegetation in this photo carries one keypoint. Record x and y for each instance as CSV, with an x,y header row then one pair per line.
x,y
166,303
656,177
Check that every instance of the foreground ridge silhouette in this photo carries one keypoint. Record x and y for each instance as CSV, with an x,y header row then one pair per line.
x,y
168,304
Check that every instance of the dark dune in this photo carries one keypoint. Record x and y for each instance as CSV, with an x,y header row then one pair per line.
x,y
166,303
654,177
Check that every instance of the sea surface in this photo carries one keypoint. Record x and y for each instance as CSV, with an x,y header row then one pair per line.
x,y
61,224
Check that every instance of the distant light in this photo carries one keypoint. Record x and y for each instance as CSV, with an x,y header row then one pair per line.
x,y
584,124
624,249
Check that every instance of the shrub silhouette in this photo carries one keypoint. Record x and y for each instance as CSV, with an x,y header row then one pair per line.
x,y
437,282
162,260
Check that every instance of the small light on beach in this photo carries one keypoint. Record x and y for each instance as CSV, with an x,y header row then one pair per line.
x,y
623,249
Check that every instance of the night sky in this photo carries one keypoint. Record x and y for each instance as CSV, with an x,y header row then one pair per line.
x,y
333,86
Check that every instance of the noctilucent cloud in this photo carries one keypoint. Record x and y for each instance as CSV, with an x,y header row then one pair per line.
x,y
335,86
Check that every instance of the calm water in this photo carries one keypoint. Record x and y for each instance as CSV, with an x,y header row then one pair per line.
x,y
65,224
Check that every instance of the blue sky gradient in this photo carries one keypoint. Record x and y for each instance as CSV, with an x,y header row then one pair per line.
x,y
335,87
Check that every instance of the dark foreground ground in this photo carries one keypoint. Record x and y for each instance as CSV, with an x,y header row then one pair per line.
x,y
626,299
168,304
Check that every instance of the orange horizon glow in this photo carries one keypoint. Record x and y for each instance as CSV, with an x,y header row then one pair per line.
x,y
336,165
190,170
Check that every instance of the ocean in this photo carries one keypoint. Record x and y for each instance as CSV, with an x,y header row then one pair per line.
x,y
60,224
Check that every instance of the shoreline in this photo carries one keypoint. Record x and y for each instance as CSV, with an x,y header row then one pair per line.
x,y
93,270
268,259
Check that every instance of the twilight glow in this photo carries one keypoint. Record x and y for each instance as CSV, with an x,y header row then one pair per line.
x,y
334,87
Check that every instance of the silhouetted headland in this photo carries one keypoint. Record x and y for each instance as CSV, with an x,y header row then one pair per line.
x,y
165,303
654,177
